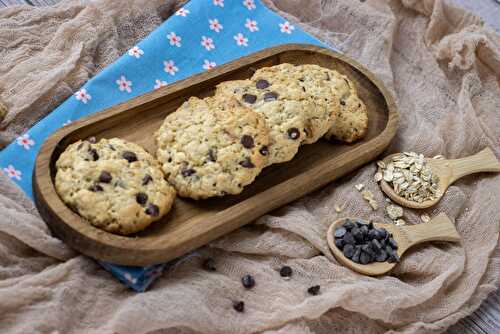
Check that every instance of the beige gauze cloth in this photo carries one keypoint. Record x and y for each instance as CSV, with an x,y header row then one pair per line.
x,y
443,67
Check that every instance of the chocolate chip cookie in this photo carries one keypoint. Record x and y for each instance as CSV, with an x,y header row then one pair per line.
x,y
352,123
283,111
114,184
314,82
212,147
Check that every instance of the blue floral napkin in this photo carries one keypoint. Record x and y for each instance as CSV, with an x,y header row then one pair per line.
x,y
200,36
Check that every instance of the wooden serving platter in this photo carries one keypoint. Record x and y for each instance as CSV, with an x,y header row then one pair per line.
x,y
192,224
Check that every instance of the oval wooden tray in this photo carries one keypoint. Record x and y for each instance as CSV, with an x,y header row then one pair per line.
x,y
192,224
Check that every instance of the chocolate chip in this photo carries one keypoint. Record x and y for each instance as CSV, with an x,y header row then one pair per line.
x,y
270,96
209,264
367,248
212,155
239,306
348,251
348,225
153,210
188,172
393,243
248,281
327,76
247,163
339,243
141,198
249,98
372,234
342,102
314,290
247,141
146,179
264,150
293,133
129,156
370,226
365,258
105,177
393,258
112,147
286,271
357,234
382,233
356,255
262,84
79,147
303,88
376,246
95,188
349,239
94,154
340,232
382,256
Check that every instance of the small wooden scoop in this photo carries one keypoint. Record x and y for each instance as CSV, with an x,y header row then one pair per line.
x,y
440,228
448,172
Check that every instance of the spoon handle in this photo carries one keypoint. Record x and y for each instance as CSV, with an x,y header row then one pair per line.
x,y
484,161
440,228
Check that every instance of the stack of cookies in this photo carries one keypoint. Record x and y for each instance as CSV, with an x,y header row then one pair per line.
x,y
210,147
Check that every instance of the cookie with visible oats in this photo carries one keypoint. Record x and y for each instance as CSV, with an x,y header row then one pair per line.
x,y
352,122
212,147
115,185
283,111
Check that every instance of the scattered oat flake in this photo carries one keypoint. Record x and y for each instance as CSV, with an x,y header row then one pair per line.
x,y
339,209
394,211
425,218
400,222
359,186
378,177
439,156
373,204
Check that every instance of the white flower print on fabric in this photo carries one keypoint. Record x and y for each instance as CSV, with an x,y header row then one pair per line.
x,y
207,64
159,83
182,12
219,3
251,25
207,42
68,122
124,84
83,95
13,173
286,27
25,141
170,67
240,39
249,4
215,25
174,39
129,278
136,52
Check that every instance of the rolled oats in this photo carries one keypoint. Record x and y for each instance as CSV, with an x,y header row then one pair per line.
x,y
410,176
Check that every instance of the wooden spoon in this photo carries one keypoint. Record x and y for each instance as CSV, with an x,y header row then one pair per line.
x,y
440,228
448,172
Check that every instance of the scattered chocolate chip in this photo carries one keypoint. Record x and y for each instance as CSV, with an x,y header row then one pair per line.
x,y
270,96
146,179
247,141
286,271
340,232
209,264
248,281
293,133
314,290
188,172
342,102
129,156
95,188
264,150
262,84
105,177
141,198
239,306
249,98
247,163
92,140
212,155
94,154
153,210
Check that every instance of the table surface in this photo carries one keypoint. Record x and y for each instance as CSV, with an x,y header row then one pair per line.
x,y
486,320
